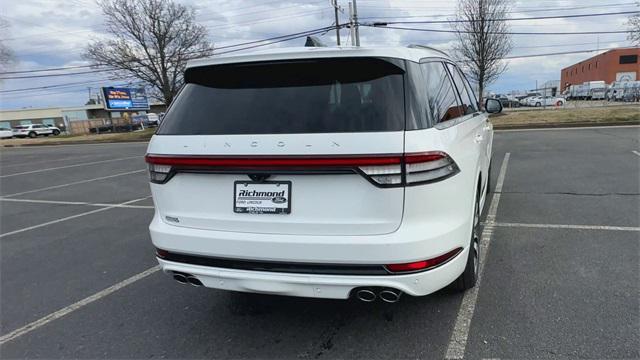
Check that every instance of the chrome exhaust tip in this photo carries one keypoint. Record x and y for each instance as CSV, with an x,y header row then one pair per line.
x,y
180,278
366,295
193,281
390,295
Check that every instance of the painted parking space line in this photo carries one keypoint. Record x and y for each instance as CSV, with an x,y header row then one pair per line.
x,y
69,166
460,333
568,226
636,152
70,217
3,166
73,183
75,306
56,202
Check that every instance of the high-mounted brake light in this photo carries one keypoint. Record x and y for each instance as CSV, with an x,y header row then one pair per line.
x,y
382,170
423,264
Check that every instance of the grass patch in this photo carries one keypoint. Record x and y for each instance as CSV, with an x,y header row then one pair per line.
x,y
567,117
142,135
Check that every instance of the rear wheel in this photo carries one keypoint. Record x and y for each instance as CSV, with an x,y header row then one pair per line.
x,y
538,104
469,277
33,134
56,132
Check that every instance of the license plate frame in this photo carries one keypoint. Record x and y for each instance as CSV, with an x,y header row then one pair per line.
x,y
258,208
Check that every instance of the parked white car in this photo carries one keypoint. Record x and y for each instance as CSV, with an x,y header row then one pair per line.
x,y
34,130
369,185
6,133
547,101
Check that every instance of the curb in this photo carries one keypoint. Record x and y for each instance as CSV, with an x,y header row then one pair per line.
x,y
81,142
564,125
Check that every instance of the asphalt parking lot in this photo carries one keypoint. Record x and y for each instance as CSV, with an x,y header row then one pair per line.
x,y
561,276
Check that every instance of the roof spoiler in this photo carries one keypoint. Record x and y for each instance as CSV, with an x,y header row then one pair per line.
x,y
418,46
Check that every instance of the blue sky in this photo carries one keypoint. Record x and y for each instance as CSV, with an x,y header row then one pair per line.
x,y
44,34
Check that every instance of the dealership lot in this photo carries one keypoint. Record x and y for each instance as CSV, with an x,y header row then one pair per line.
x,y
560,280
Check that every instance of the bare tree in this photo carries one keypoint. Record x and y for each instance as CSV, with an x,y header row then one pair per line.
x,y
483,39
150,40
6,55
634,27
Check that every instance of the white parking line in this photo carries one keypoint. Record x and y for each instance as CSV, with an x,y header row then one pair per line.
x,y
567,226
635,152
55,202
73,183
75,306
69,166
70,217
23,163
460,333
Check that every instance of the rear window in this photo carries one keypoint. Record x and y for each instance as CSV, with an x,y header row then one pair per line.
x,y
305,96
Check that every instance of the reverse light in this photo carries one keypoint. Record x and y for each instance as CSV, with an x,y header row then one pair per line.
x,y
158,173
423,264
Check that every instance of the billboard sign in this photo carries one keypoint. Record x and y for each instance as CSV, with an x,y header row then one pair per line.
x,y
117,99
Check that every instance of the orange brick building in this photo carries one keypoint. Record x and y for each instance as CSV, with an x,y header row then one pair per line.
x,y
614,65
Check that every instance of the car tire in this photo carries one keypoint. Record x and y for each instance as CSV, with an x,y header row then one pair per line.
x,y
538,104
33,134
559,103
469,276
56,132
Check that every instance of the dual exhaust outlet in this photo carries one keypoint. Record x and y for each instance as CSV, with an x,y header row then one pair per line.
x,y
183,278
388,295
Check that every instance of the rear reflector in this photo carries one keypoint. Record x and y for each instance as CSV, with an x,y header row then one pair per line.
x,y
423,264
382,170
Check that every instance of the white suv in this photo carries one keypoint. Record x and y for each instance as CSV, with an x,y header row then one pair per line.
x,y
322,172
34,130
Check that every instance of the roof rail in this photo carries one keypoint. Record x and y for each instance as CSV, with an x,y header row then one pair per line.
x,y
418,46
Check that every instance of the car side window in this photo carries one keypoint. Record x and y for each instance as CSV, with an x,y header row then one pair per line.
x,y
468,103
441,95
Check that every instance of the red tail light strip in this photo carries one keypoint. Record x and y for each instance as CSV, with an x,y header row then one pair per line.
x,y
273,161
296,161
383,170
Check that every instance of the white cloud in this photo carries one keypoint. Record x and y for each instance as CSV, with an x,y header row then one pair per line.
x,y
48,33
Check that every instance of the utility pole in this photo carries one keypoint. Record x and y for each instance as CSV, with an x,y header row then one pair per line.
x,y
351,25
334,3
355,22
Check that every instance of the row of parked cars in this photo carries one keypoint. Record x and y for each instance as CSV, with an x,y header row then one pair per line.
x,y
531,99
31,130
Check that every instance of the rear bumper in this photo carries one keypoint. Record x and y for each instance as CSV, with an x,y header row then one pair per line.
x,y
319,286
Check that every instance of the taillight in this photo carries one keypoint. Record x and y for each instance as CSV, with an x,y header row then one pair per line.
x,y
419,168
386,170
423,264
159,173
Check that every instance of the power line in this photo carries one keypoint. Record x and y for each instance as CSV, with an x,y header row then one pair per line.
x,y
286,37
517,10
509,19
500,32
276,39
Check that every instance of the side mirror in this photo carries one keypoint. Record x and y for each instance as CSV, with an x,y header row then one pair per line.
x,y
493,106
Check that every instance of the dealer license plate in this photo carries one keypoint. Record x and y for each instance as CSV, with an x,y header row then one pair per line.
x,y
267,197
